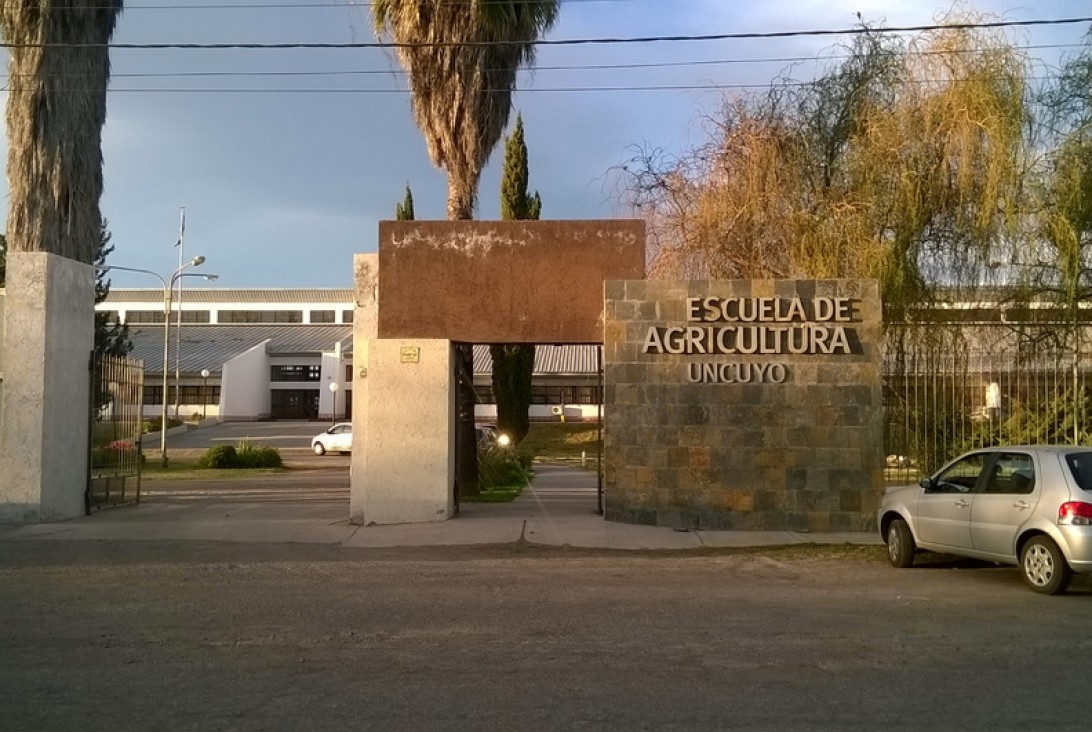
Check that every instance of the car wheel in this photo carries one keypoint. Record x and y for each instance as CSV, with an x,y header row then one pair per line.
x,y
319,448
1045,569
900,544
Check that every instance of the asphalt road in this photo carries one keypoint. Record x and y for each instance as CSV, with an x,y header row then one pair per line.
x,y
272,434
190,636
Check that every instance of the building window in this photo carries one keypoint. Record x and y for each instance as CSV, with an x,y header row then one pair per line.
x,y
144,316
194,316
261,316
153,395
565,395
196,394
322,316
295,373
348,373
346,316
191,394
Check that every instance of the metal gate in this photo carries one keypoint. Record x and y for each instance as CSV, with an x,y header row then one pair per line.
x,y
948,390
117,428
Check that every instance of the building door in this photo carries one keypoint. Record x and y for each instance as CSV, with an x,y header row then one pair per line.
x,y
294,403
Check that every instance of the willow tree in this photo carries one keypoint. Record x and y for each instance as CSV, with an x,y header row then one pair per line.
x,y
514,363
462,57
902,162
942,167
54,125
1064,263
768,194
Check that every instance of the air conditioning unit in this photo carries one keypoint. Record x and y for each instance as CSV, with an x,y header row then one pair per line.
x,y
557,411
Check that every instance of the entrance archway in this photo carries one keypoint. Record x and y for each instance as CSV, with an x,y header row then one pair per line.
x,y
741,404
436,283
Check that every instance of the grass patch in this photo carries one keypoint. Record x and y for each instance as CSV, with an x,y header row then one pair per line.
x,y
502,475
503,494
187,468
556,441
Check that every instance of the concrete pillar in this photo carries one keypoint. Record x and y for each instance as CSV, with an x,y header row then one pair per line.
x,y
365,330
44,422
409,458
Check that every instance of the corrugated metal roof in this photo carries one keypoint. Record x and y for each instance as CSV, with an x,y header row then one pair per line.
x,y
222,296
211,346
549,360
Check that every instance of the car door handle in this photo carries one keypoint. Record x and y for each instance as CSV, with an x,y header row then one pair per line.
x,y
1022,505
962,503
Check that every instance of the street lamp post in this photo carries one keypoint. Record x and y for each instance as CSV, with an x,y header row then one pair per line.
x,y
168,288
333,412
204,393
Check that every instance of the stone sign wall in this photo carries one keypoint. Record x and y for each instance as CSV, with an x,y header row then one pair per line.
x,y
743,404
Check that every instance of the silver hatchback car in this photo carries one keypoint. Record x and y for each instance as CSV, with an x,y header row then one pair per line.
x,y
1025,505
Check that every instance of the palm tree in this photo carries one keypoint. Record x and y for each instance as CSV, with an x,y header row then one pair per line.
x,y
462,57
57,76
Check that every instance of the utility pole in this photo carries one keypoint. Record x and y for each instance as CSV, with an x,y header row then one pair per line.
x,y
178,323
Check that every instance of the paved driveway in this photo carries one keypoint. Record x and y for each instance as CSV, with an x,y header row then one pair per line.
x,y
273,434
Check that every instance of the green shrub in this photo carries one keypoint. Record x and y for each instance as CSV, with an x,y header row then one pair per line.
x,y
152,425
249,455
246,455
500,467
220,456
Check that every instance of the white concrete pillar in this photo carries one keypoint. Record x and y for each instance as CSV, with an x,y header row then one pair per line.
x,y
44,421
409,446
365,330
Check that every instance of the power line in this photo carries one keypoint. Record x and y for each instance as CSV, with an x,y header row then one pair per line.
x,y
566,41
568,67
532,90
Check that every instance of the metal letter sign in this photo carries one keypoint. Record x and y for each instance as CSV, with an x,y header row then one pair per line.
x,y
410,354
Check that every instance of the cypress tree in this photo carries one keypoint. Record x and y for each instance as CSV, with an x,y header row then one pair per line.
x,y
513,364
404,211
111,338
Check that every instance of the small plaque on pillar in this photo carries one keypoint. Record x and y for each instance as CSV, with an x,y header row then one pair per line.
x,y
410,354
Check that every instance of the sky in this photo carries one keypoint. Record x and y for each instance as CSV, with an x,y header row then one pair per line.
x,y
286,160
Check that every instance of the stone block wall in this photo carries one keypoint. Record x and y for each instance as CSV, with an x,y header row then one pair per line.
x,y
743,404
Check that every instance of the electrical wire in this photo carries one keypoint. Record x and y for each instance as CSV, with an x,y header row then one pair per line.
x,y
571,67
754,35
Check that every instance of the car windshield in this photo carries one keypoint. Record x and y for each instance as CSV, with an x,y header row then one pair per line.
x,y
1080,465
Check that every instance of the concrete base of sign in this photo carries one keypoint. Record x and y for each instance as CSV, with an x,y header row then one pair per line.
x,y
408,465
49,332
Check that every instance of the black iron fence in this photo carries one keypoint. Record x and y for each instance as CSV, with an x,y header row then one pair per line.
x,y
951,389
116,432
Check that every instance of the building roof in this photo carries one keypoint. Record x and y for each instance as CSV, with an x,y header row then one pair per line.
x,y
225,296
211,346
549,360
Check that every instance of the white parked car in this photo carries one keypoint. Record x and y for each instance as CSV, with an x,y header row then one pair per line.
x,y
338,438
1025,505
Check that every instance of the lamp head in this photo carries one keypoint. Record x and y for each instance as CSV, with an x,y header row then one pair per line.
x,y
197,261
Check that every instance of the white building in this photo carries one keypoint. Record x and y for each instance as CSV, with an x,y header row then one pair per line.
x,y
273,354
